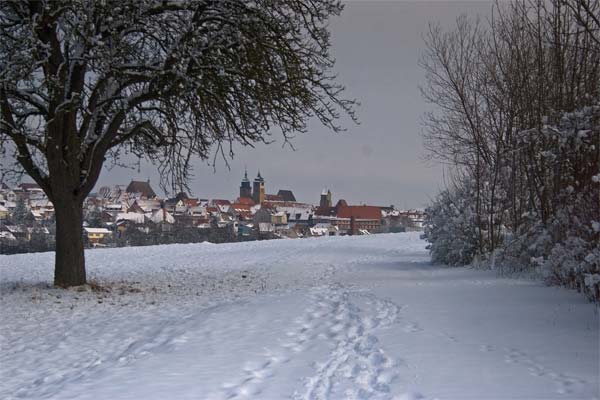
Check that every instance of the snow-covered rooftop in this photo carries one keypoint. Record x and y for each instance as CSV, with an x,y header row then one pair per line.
x,y
98,231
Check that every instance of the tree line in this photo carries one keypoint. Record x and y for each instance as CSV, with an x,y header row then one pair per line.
x,y
516,117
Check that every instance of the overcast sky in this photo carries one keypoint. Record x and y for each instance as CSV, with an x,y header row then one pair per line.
x,y
381,161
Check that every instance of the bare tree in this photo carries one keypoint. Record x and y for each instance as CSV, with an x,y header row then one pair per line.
x,y
510,95
455,131
83,81
587,14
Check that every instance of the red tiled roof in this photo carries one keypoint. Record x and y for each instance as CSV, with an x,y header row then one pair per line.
x,y
359,212
267,205
286,204
220,202
243,214
341,203
246,201
273,197
325,211
240,207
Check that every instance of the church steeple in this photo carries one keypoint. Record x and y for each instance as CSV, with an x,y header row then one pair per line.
x,y
258,190
245,189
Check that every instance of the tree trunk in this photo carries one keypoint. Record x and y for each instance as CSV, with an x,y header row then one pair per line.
x,y
69,267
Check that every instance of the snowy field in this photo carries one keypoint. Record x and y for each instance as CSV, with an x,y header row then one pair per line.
x,y
330,318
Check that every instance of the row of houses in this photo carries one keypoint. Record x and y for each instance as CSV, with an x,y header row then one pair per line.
x,y
35,200
121,208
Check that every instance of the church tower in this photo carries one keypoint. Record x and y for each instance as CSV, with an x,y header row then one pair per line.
x,y
258,191
325,199
245,189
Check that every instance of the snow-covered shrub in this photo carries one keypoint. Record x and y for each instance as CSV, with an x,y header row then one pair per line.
x,y
450,227
564,246
558,234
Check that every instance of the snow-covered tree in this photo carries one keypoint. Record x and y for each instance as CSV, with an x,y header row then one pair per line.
x,y
450,226
517,113
82,81
18,214
565,246
94,218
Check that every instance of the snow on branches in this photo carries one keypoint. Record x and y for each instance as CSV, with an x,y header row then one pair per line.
x,y
81,80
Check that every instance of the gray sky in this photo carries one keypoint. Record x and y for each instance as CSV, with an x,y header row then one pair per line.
x,y
381,161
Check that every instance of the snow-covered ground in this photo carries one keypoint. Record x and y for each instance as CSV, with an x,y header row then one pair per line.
x,y
329,318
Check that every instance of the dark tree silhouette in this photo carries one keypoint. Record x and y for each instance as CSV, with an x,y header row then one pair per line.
x,y
83,81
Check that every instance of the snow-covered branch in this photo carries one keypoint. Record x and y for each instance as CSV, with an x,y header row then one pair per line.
x,y
180,75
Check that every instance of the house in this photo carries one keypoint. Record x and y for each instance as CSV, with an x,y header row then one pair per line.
x,y
107,218
269,215
162,217
245,201
296,213
279,218
41,208
6,235
191,216
181,199
355,218
113,209
10,205
245,229
116,194
222,205
416,216
16,231
286,195
39,230
96,235
140,189
29,187
242,212
198,211
136,218
135,208
11,196
272,197
212,210
265,227
3,212
126,225
323,229
28,190
349,219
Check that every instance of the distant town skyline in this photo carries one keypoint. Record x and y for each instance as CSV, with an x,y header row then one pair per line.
x,y
381,161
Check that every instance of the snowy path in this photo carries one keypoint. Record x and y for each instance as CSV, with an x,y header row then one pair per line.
x,y
332,318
